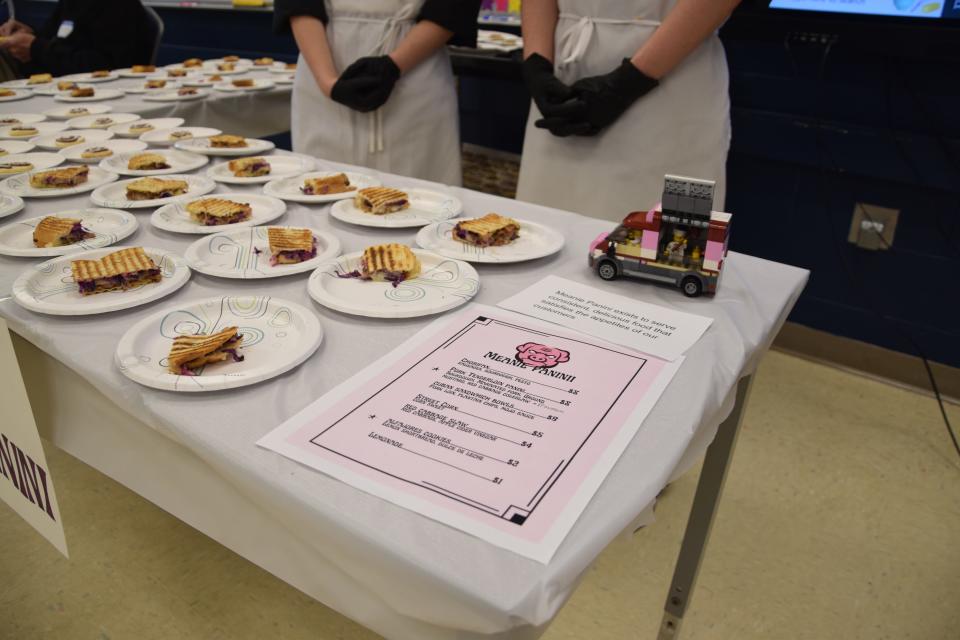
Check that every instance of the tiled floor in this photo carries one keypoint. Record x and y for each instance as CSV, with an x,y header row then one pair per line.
x,y
839,520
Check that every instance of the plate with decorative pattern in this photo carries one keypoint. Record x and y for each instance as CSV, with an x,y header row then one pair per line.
x,y
532,242
110,226
426,207
244,254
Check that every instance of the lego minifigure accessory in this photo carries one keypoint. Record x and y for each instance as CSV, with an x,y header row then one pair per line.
x,y
604,99
366,84
550,94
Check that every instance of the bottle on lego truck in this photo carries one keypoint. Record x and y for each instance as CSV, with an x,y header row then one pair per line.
x,y
681,241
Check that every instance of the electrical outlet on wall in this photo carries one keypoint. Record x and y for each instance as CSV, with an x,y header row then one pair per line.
x,y
872,227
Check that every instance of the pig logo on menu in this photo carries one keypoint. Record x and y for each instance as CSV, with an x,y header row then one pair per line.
x,y
540,355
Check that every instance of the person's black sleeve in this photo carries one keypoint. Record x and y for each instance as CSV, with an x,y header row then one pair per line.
x,y
283,10
459,16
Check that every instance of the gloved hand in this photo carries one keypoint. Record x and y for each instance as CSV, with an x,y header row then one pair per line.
x,y
366,84
601,100
550,95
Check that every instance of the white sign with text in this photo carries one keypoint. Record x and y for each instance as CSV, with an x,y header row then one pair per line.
x,y
652,329
25,481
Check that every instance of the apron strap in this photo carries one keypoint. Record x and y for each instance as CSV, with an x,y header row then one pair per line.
x,y
575,40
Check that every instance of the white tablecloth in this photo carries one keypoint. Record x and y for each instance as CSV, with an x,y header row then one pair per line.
x,y
249,113
392,570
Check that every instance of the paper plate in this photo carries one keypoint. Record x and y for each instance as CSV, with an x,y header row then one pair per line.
x,y
202,145
99,94
75,153
20,185
173,96
284,79
285,165
174,217
161,137
278,335
281,67
123,130
20,118
128,72
259,84
289,188
89,77
10,205
18,94
41,127
63,113
24,83
109,225
443,284
49,287
101,121
244,254
426,207
12,147
114,196
39,159
197,81
48,141
141,87
534,241
179,161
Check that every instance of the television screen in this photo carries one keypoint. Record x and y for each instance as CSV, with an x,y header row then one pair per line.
x,y
919,9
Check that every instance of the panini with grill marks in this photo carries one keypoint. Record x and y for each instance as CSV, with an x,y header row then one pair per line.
x,y
492,230
391,263
249,167
216,211
124,269
337,183
291,246
381,200
189,354
57,232
59,178
153,188
147,162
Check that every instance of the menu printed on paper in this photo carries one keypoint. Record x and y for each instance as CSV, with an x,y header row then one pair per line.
x,y
489,425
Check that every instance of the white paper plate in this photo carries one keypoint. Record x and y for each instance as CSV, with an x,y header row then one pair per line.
x,y
534,241
179,161
99,94
128,72
39,159
442,285
13,147
23,118
244,254
18,94
110,225
48,141
41,127
63,113
123,130
426,207
89,77
174,217
161,137
259,84
23,83
75,153
46,89
280,67
91,121
289,188
49,287
10,205
114,195
173,96
201,145
20,185
285,165
141,87
278,335
197,81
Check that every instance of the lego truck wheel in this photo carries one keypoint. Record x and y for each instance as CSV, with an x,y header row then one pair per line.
x,y
691,286
607,270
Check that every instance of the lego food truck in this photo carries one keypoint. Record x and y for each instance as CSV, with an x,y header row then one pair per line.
x,y
682,241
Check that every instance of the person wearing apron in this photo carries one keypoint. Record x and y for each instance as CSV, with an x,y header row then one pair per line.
x,y
374,86
625,91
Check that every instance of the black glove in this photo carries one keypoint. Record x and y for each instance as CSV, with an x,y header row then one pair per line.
x,y
366,84
603,99
551,95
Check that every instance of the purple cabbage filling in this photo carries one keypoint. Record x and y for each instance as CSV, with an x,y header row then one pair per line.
x,y
351,274
233,354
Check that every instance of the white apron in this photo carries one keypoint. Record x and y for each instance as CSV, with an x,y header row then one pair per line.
x,y
681,127
416,133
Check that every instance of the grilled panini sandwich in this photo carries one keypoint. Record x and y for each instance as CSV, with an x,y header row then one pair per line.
x,y
337,183
147,162
23,131
176,73
381,200
291,246
249,167
57,232
59,178
226,66
391,263
153,188
6,93
212,212
83,92
79,111
189,354
68,141
227,141
187,91
9,168
180,134
66,85
96,152
140,127
192,62
263,62
243,83
159,83
492,230
124,269
8,121
40,78
143,68
100,73
231,58
102,123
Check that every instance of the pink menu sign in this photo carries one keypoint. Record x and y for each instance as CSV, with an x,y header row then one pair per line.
x,y
491,422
